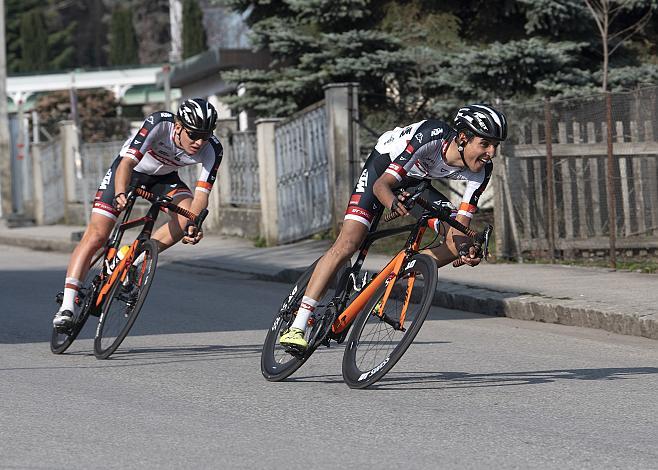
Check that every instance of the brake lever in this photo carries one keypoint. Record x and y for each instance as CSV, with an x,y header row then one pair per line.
x,y
485,237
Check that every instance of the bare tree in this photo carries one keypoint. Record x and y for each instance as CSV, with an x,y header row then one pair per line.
x,y
605,13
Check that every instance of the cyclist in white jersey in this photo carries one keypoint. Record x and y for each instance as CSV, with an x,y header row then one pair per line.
x,y
402,157
151,159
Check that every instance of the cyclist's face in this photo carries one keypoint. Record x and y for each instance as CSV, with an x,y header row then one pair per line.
x,y
190,142
479,151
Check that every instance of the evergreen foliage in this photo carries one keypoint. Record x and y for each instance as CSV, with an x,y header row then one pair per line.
x,y
34,42
416,57
194,35
123,42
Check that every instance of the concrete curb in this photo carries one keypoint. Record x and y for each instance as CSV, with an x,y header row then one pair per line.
x,y
503,304
41,244
458,296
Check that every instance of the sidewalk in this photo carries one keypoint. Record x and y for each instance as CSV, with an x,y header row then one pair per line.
x,y
619,302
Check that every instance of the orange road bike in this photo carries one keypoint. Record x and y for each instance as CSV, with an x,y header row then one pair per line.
x,y
116,286
386,312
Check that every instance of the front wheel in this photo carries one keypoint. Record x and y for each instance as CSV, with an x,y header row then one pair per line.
x,y
380,338
125,300
275,362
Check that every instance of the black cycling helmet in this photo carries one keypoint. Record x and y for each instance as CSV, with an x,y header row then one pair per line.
x,y
197,115
483,121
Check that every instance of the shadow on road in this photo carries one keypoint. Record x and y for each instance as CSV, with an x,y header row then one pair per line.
x,y
443,380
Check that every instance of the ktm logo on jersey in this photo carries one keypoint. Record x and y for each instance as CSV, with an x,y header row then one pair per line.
x,y
436,131
362,184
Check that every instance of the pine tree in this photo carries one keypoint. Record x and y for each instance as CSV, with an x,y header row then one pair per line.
x,y
34,42
123,43
194,34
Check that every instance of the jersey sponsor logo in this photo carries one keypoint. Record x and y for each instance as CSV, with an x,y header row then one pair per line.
x,y
143,132
150,119
419,137
362,184
406,131
106,180
395,167
390,139
137,142
165,115
437,131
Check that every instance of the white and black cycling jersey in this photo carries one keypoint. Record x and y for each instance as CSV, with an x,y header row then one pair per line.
x,y
418,151
154,149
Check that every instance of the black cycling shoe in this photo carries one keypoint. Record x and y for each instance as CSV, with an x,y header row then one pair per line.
x,y
63,320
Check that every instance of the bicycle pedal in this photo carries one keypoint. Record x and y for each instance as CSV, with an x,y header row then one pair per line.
x,y
298,353
59,298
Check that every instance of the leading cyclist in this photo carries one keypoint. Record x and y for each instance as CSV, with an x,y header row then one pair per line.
x,y
429,149
151,158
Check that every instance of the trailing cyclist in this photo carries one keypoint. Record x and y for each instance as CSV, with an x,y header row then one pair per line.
x,y
402,157
151,158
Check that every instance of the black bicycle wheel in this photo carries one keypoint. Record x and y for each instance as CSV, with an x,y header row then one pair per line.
x,y
60,340
376,344
275,362
125,300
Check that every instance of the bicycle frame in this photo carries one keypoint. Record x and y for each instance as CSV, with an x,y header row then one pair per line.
x,y
158,203
393,268
345,319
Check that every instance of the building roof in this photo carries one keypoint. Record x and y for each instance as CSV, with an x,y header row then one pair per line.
x,y
213,62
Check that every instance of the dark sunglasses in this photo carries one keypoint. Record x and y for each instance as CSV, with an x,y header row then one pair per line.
x,y
195,135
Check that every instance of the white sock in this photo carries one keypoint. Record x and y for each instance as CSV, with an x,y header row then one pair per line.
x,y
305,311
71,288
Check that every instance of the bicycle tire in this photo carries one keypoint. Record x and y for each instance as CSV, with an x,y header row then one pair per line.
x,y
121,308
375,346
61,340
277,364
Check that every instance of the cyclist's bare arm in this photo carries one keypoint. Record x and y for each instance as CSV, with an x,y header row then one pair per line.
x,y
199,203
122,180
383,189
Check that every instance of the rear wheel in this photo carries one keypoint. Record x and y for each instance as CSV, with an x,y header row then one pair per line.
x,y
60,339
276,363
124,301
380,338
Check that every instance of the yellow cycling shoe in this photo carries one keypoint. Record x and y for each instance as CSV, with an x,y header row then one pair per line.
x,y
293,338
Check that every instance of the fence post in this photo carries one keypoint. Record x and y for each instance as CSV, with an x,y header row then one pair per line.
x,y
37,178
222,195
70,145
342,105
612,208
268,179
550,196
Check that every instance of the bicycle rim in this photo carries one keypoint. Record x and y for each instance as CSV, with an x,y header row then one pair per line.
x,y
61,340
124,301
374,345
276,363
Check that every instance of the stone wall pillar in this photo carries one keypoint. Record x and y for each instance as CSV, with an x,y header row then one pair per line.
x,y
342,105
268,179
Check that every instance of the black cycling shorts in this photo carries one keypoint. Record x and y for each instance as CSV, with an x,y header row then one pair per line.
x,y
169,184
364,205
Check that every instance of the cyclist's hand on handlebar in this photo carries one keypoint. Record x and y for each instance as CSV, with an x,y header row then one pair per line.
x,y
398,206
470,254
120,201
192,235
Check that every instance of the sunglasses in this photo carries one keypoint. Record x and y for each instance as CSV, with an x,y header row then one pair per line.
x,y
195,135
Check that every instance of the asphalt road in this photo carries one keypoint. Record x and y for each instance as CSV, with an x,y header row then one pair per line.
x,y
185,389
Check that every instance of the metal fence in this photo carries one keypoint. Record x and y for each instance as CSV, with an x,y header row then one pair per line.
x,y
564,187
95,159
241,163
305,200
